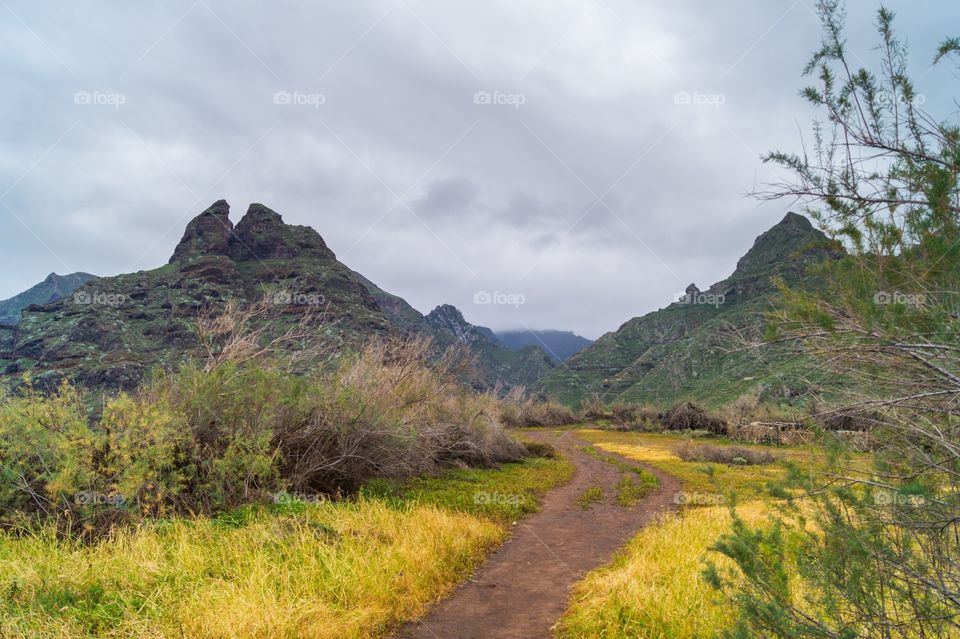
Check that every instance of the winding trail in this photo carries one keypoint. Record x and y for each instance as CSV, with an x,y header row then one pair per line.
x,y
524,586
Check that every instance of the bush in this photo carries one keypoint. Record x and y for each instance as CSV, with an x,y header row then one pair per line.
x,y
731,455
519,410
689,416
211,437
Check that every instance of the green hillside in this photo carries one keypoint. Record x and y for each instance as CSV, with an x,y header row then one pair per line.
x,y
689,349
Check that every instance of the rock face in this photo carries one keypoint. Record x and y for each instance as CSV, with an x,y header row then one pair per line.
x,y
53,288
684,351
110,332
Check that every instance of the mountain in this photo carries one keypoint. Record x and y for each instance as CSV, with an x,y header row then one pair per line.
x,y
112,331
53,288
496,362
559,344
688,351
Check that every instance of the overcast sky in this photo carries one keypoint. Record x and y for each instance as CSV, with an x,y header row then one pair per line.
x,y
443,148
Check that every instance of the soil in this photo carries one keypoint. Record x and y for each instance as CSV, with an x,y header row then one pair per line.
x,y
524,586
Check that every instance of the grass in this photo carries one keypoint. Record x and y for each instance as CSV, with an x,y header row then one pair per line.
x,y
634,485
590,496
699,478
654,589
351,569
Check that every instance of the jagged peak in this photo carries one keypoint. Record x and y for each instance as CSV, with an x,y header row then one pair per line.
x,y
780,243
261,234
206,234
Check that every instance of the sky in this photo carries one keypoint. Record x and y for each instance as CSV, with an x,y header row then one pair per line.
x,y
564,164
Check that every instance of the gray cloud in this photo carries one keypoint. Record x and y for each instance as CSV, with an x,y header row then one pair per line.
x,y
441,148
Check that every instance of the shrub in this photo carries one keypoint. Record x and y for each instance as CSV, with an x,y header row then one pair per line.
x,y
731,455
242,427
689,416
519,410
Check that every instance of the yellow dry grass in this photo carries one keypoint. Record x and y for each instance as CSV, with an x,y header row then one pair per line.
x,y
334,570
655,588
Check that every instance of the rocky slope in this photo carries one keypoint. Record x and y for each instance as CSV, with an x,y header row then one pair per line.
x,y
112,331
53,288
688,350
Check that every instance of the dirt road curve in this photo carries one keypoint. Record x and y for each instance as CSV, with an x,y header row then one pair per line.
x,y
524,587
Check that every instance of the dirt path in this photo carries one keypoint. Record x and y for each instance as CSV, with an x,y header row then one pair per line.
x,y
524,586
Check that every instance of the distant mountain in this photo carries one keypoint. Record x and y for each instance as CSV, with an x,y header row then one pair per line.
x,y
686,350
559,344
53,288
112,331
525,365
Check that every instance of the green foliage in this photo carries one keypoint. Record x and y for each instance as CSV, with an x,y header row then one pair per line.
x,y
870,550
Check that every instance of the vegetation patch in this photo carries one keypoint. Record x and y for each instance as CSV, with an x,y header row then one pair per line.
x,y
590,496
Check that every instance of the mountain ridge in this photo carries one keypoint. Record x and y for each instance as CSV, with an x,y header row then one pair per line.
x,y
678,352
114,330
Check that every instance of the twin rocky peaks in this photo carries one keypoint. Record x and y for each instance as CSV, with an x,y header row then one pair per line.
x,y
261,234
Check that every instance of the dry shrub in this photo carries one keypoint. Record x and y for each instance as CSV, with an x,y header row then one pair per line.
x,y
733,455
774,433
689,416
592,408
242,426
520,410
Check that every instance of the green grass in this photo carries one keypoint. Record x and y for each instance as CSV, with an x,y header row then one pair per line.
x,y
590,496
704,480
351,569
503,496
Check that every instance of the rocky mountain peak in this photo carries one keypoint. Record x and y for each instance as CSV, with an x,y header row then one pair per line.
x,y
448,317
263,235
260,235
207,234
783,244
